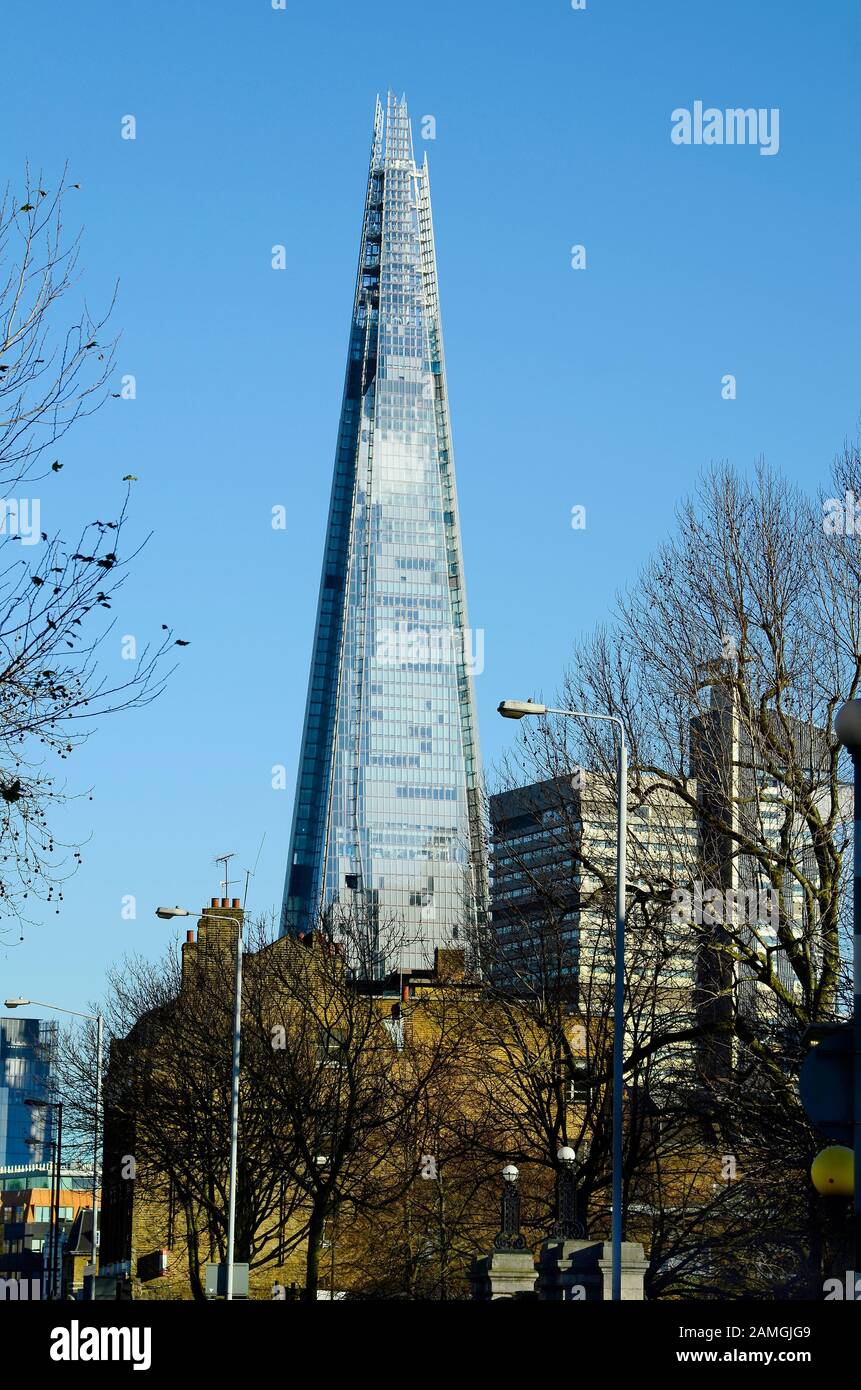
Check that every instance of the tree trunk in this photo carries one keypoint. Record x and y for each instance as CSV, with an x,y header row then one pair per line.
x,y
193,1239
312,1262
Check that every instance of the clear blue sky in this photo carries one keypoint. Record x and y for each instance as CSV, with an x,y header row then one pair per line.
x,y
599,387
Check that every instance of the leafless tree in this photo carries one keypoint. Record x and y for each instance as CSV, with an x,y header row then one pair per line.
x,y
337,1100
351,1073
726,660
55,363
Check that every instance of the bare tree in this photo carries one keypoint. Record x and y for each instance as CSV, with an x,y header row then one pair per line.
x,y
55,363
351,1070
338,1097
726,660
169,1031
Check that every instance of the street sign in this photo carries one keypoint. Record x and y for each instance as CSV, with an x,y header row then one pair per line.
x,y
825,1084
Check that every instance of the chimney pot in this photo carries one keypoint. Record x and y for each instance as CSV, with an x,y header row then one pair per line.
x,y
214,902
189,936
235,902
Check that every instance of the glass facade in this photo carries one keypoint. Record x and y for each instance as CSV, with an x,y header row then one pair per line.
x,y
26,1051
386,822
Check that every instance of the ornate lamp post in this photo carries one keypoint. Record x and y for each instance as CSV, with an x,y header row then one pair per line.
x,y
567,1225
510,1237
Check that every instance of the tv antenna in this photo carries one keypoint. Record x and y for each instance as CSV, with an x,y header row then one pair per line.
x,y
249,873
226,881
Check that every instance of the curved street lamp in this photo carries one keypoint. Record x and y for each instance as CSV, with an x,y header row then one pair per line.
x,y
99,1022
167,914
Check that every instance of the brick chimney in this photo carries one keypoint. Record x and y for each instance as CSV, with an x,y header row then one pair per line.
x,y
216,933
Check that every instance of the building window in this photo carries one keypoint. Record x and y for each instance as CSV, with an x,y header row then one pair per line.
x,y
331,1047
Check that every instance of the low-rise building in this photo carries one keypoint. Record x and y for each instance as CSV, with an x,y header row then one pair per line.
x,y
31,1213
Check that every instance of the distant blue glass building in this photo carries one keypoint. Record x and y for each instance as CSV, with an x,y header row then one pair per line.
x,y
387,818
27,1050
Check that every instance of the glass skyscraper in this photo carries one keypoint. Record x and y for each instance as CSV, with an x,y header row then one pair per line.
x,y
387,819
27,1050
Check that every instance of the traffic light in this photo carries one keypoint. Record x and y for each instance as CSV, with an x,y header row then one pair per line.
x,y
825,1080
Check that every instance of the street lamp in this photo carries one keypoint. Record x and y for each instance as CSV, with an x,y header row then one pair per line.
x,y
55,1279
847,726
510,1238
99,1022
519,709
48,1265
567,1225
167,914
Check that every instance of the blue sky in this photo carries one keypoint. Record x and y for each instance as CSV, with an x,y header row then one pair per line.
x,y
599,387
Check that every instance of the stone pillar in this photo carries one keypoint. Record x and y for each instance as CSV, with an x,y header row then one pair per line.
x,y
509,1272
504,1274
581,1270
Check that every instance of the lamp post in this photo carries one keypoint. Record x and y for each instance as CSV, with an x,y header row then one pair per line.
x,y
31,1143
847,726
99,1022
167,914
519,709
55,1281
510,1237
567,1225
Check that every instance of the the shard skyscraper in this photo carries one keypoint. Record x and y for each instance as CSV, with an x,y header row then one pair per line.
x,y
387,818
